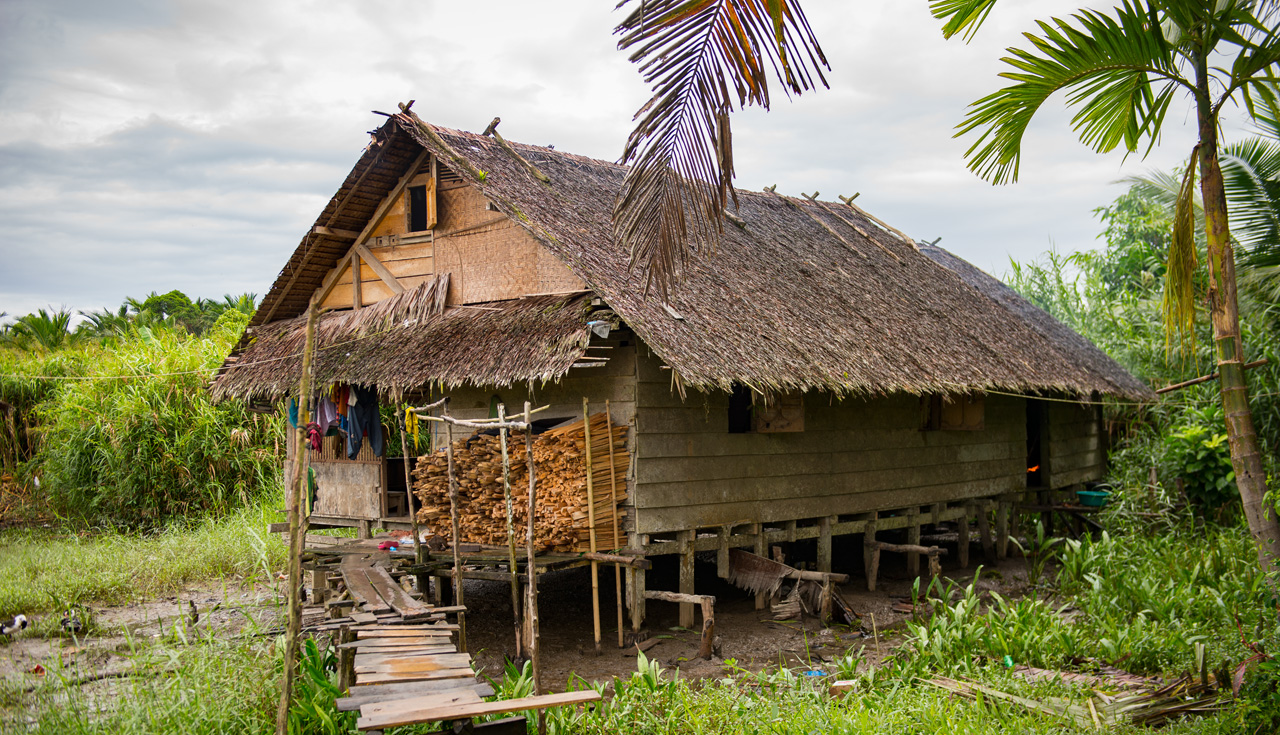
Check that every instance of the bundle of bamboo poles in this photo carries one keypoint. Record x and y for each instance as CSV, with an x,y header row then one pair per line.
x,y
562,515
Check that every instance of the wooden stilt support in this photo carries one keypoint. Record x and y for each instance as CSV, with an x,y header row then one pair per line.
x,y
984,533
824,543
534,642
613,507
706,603
686,577
913,539
761,541
454,530
512,567
871,552
722,553
346,658
364,529
319,586
591,524
962,551
1002,529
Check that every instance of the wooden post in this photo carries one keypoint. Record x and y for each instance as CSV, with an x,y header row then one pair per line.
x,y
297,525
871,552
707,648
319,586
913,538
356,296
454,530
535,643
1002,529
591,524
984,533
824,543
686,577
408,486
722,552
962,545
613,507
346,658
511,527
761,600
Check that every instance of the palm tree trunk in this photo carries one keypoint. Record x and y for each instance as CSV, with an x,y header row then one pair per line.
x,y
1224,312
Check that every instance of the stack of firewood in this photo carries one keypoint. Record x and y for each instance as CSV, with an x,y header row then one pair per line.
x,y
562,518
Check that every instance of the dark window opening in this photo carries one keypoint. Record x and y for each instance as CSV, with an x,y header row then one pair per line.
x,y
417,208
740,410
952,412
1035,443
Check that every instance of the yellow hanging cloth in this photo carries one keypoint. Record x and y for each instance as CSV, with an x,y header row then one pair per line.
x,y
411,426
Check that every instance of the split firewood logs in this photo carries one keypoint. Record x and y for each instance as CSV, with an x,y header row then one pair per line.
x,y
560,456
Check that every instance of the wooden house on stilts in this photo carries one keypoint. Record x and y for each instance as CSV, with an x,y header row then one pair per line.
x,y
820,374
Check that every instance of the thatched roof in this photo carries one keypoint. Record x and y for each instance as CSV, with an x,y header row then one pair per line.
x,y
411,341
799,296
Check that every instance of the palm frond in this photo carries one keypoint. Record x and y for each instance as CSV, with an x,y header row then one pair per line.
x,y
1251,177
961,16
1179,305
1119,74
703,58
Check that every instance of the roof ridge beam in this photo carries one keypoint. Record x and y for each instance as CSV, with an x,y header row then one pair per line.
x,y
848,202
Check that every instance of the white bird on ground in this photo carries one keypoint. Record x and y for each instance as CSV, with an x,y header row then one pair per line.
x,y
13,624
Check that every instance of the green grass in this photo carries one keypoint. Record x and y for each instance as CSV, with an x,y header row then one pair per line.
x,y
210,687
44,570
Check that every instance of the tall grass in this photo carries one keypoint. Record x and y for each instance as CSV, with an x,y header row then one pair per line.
x,y
46,569
140,441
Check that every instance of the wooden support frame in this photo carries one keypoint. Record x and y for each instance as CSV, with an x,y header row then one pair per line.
x,y
706,603
686,578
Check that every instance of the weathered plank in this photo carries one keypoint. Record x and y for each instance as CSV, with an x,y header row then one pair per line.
x,y
467,711
390,692
405,676
357,581
395,596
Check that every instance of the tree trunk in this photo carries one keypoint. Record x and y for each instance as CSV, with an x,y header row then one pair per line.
x,y
1224,312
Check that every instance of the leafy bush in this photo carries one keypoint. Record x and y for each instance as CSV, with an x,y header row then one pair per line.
x,y
132,437
1202,458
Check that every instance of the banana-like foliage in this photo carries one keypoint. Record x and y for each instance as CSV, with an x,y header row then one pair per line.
x,y
703,59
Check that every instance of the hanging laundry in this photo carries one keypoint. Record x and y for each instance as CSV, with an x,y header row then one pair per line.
x,y
326,413
293,413
365,420
314,435
340,394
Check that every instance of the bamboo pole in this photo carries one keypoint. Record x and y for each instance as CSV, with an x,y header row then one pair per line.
x,y
453,527
534,643
591,525
297,528
408,490
511,526
613,507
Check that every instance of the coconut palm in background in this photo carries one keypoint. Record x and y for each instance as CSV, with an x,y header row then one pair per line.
x,y
1121,72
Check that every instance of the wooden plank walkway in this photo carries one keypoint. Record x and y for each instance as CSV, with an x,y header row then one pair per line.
x,y
403,663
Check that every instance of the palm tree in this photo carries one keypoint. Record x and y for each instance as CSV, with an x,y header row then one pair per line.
x,y
1121,72
46,330
699,56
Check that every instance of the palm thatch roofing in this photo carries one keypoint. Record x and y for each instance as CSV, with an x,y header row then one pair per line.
x,y
799,295
384,345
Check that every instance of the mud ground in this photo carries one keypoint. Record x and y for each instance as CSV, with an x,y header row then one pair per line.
x,y
750,638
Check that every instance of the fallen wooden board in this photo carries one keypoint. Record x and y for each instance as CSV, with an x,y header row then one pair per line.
x,y
388,692
467,711
398,707
449,656
385,678
395,596
363,617
357,581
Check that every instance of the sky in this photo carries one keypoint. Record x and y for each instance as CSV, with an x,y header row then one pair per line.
x,y
148,145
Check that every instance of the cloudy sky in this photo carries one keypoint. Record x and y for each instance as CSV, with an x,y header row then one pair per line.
x,y
147,145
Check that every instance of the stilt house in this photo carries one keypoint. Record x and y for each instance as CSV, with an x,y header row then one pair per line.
x,y
819,372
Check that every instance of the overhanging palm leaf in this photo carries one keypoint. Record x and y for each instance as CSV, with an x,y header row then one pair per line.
x,y
699,55
1120,77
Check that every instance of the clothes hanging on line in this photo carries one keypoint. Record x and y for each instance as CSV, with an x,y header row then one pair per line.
x,y
365,420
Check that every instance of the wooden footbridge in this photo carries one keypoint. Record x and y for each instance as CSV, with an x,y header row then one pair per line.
x,y
398,660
